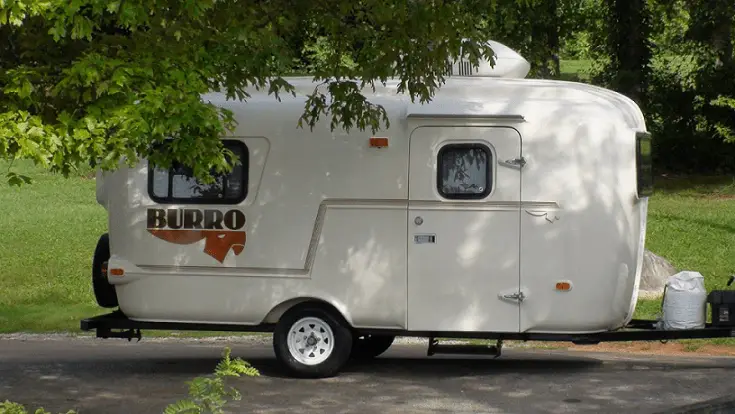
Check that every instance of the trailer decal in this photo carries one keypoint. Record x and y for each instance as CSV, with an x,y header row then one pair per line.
x,y
222,232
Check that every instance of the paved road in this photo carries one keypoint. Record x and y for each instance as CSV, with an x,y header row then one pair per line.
x,y
114,376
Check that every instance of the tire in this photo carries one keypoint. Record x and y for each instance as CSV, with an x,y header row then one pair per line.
x,y
315,323
104,292
371,346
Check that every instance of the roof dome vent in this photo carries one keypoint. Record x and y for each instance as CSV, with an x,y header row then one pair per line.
x,y
508,64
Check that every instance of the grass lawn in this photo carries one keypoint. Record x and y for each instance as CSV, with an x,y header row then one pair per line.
x,y
575,70
49,230
692,224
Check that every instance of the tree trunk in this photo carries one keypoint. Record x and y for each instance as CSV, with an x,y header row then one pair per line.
x,y
545,38
630,28
712,24
553,37
722,35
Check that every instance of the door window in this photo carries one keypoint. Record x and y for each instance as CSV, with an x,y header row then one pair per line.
x,y
464,171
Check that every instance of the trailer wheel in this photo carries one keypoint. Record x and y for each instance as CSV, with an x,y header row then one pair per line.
x,y
104,292
312,342
371,346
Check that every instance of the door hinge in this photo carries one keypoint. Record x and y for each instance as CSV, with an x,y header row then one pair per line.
x,y
519,296
519,162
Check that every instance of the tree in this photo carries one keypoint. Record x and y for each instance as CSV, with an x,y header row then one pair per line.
x,y
537,28
628,44
711,32
96,81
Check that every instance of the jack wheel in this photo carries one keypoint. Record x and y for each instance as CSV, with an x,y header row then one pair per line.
x,y
312,342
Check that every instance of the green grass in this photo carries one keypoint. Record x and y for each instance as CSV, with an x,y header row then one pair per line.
x,y
691,223
48,231
575,70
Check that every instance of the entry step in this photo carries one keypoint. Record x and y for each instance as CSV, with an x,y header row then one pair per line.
x,y
464,349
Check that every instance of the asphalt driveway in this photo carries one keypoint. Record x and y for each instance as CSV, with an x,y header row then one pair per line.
x,y
115,376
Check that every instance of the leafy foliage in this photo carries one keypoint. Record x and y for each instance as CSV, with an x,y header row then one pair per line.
x,y
674,58
92,82
96,82
8,407
537,30
691,94
208,395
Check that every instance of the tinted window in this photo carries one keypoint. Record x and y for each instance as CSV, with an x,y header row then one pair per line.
x,y
178,184
465,171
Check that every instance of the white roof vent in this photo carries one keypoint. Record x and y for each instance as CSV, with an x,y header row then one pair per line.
x,y
508,64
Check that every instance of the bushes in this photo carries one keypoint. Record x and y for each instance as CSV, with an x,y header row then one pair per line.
x,y
685,124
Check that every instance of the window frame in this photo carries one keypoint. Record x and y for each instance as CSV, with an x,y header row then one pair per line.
x,y
490,185
644,184
244,174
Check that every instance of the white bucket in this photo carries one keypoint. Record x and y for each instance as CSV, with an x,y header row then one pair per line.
x,y
685,302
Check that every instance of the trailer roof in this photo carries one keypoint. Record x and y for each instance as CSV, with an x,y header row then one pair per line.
x,y
475,96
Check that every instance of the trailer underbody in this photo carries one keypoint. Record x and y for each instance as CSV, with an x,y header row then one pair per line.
x,y
117,325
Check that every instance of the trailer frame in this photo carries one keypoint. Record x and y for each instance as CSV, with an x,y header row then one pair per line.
x,y
116,325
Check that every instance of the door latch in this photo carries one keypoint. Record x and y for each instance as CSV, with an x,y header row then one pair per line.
x,y
519,162
519,296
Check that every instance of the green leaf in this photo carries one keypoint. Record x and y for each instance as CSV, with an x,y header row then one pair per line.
x,y
113,6
15,181
102,81
26,89
182,407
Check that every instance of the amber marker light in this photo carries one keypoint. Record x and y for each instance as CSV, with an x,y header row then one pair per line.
x,y
563,286
378,142
116,271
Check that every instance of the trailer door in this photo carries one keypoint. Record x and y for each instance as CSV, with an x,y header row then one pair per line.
x,y
463,229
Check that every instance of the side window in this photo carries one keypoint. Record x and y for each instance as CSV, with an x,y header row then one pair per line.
x,y
644,165
177,184
465,171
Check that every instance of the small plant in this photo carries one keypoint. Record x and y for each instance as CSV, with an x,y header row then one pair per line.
x,y
207,394
691,346
8,407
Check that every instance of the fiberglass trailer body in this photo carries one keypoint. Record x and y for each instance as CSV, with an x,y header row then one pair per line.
x,y
504,206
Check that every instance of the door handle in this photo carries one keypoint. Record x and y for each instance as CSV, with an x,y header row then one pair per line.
x,y
418,221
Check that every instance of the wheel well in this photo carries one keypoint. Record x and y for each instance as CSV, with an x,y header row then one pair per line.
x,y
277,312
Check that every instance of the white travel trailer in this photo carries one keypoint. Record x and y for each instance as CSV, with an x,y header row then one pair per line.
x,y
504,208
